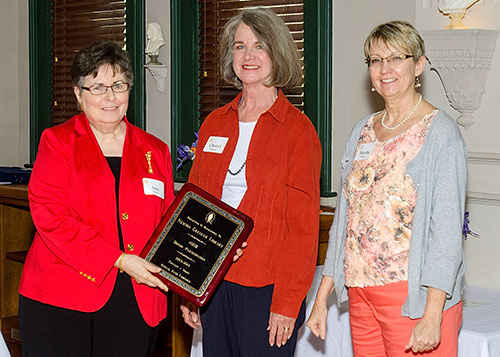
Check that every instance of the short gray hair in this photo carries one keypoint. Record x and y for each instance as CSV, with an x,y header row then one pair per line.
x,y
89,60
276,40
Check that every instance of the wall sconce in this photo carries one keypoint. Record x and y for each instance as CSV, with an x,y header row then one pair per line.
x,y
159,73
455,10
462,58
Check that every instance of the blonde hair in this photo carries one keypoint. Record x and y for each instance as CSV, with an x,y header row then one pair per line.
x,y
276,40
398,34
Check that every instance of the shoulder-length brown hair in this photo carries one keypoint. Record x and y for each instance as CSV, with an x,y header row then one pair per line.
x,y
277,41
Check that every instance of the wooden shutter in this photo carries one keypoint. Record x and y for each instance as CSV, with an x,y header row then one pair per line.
x,y
213,92
76,24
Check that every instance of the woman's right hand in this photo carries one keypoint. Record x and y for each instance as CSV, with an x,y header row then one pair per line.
x,y
190,314
317,320
140,270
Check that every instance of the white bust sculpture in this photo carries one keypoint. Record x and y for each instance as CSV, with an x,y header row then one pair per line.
x,y
154,41
455,9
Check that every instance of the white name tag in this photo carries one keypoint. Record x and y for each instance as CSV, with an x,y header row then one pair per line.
x,y
364,152
153,187
215,144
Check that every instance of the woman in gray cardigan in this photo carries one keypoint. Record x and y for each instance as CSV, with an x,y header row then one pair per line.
x,y
395,249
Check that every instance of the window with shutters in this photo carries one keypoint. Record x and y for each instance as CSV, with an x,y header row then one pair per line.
x,y
214,92
76,24
196,85
58,30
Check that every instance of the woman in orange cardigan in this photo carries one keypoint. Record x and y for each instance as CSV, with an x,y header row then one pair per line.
x,y
99,188
262,155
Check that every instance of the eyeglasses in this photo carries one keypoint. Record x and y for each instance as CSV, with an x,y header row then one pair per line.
x,y
392,60
100,89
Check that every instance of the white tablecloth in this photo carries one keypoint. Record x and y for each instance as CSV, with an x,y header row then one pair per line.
x,y
338,332
479,336
4,352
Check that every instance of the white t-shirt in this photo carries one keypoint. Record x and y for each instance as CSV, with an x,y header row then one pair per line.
x,y
235,186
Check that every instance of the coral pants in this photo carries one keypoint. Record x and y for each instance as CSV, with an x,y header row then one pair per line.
x,y
378,329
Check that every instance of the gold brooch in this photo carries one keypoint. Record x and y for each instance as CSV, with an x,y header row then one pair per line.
x,y
148,159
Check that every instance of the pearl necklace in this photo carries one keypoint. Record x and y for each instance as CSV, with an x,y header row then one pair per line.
x,y
402,121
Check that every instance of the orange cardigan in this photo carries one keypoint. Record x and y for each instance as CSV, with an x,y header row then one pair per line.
x,y
282,172
73,205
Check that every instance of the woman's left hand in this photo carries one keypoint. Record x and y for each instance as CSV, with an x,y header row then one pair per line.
x,y
426,335
239,252
280,329
190,314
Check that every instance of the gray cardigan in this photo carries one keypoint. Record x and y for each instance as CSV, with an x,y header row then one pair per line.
x,y
436,257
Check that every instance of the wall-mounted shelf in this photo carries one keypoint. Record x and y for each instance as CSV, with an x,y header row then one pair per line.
x,y
159,73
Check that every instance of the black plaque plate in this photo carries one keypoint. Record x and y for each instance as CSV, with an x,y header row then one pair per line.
x,y
195,242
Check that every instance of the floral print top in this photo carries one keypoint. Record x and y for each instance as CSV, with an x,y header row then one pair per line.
x,y
381,198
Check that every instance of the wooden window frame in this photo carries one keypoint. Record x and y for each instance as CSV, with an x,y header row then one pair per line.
x,y
318,19
40,70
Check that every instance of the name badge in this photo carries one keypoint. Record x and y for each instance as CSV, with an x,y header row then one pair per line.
x,y
215,144
364,152
153,187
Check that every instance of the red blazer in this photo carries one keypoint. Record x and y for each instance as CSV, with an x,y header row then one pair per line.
x,y
282,171
73,205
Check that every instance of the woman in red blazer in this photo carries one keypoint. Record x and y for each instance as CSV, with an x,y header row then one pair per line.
x,y
98,189
262,155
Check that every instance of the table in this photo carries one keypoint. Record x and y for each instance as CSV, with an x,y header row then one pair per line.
x,y
479,336
4,352
16,233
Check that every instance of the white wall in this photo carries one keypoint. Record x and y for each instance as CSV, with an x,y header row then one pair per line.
x,y
23,83
158,103
14,92
481,138
352,99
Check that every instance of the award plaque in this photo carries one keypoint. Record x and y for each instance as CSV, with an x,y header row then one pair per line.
x,y
195,243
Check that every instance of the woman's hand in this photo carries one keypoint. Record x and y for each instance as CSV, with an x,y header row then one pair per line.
x,y
317,320
426,334
239,252
140,270
280,328
190,314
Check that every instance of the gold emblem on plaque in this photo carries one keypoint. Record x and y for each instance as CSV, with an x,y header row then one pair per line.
x,y
209,218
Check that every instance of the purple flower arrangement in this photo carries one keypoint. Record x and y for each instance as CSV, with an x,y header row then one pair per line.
x,y
465,229
186,153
